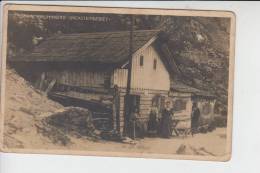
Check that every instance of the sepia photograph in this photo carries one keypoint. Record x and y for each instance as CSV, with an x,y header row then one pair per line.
x,y
125,82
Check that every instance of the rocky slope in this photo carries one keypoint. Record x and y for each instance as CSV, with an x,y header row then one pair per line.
x,y
32,120
201,49
24,106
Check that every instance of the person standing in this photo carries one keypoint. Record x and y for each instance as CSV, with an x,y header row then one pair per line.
x,y
195,116
166,121
136,126
152,127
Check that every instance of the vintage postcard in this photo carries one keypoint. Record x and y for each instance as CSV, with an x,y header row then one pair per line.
x,y
153,83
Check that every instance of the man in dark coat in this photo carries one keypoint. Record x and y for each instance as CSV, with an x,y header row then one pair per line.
x,y
195,116
166,121
152,127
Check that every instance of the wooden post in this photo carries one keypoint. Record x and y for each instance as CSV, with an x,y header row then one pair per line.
x,y
42,81
134,130
50,86
128,86
116,109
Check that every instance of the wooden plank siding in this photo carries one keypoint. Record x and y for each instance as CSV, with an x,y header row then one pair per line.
x,y
119,78
144,76
80,77
146,97
146,80
184,115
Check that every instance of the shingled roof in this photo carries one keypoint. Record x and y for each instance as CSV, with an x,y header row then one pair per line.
x,y
100,47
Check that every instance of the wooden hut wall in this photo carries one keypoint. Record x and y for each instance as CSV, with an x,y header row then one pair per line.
x,y
148,73
74,74
119,78
146,102
79,77
152,74
182,106
146,97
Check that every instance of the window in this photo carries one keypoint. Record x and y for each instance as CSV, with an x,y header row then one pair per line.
x,y
154,64
206,109
141,60
179,105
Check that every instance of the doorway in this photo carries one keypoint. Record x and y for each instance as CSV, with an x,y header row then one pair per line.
x,y
131,102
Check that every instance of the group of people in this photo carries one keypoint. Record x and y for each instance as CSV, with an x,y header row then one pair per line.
x,y
162,126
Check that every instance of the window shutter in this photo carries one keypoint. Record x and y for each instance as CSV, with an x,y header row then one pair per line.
x,y
154,64
141,60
